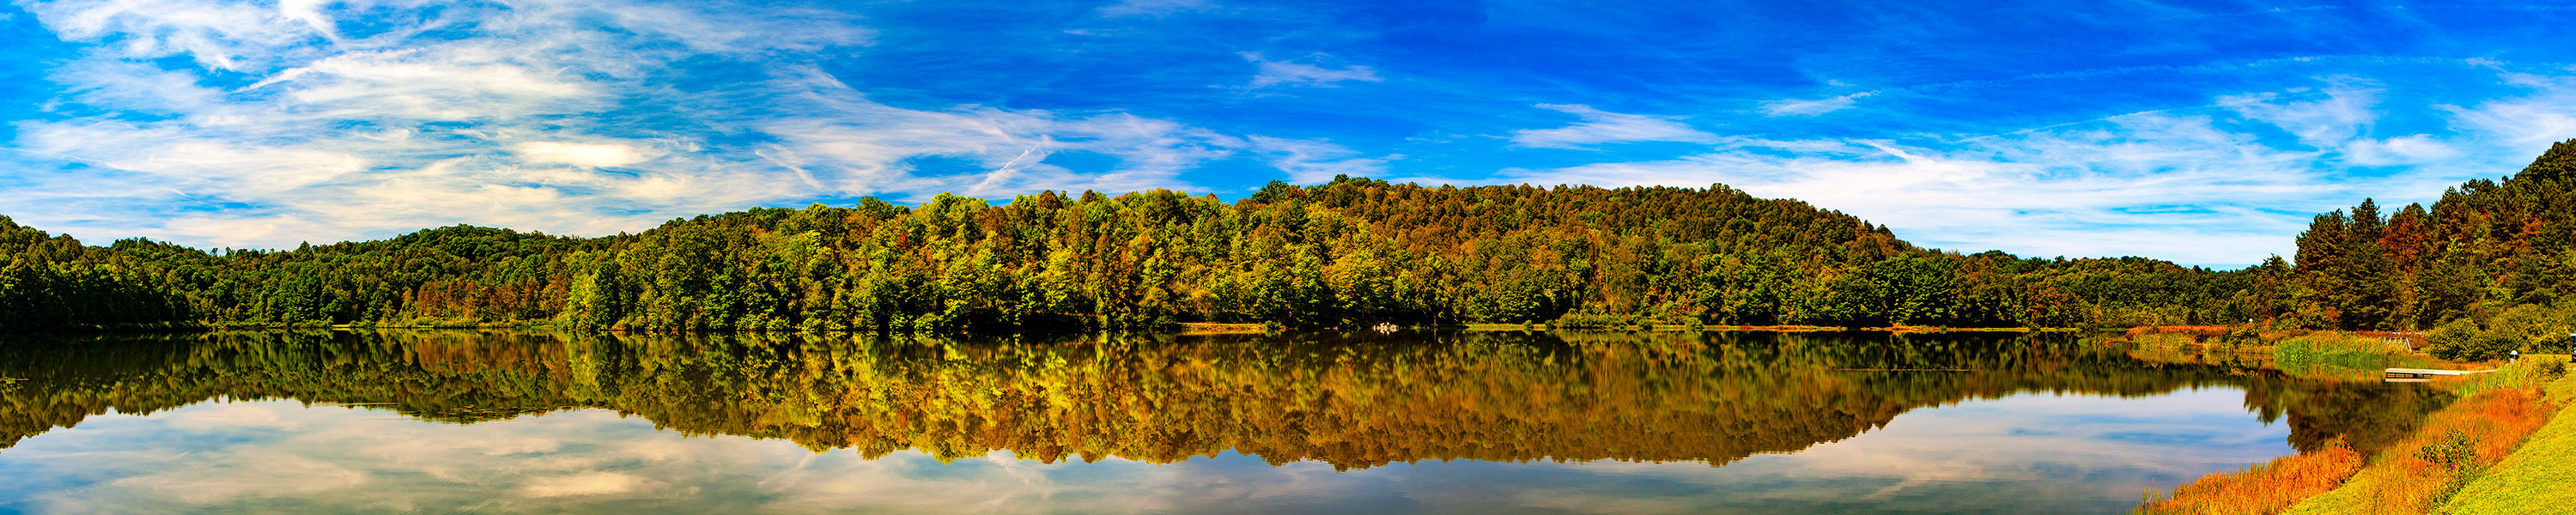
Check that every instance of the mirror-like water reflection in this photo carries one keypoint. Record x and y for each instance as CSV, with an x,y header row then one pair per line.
x,y
1450,422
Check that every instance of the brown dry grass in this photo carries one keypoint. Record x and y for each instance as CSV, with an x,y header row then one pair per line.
x,y
2401,480
2265,488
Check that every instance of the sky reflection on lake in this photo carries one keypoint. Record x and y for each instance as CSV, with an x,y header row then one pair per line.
x,y
1433,422
2024,452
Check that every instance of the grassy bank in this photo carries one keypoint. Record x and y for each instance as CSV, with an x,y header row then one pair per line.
x,y
2540,475
2469,457
2455,447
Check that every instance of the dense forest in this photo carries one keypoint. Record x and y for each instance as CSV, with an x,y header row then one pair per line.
x,y
2491,265
1348,253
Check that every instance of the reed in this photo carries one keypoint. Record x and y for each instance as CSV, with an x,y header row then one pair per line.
x,y
2264,488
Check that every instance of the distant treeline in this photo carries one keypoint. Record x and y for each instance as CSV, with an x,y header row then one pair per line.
x,y
1351,252
2489,259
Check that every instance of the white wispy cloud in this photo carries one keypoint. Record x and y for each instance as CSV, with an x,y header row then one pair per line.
x,y
1802,107
567,117
2527,123
591,155
1316,161
1153,8
1598,126
2200,186
1279,73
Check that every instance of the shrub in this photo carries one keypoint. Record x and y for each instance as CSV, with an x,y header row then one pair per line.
x,y
2453,450
2451,338
2529,322
2490,346
2460,340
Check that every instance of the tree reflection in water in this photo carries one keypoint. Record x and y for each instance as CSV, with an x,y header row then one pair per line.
x,y
1355,400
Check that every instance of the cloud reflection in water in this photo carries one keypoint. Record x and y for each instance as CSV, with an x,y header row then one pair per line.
x,y
2035,450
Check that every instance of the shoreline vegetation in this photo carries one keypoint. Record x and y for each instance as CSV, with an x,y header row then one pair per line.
x,y
1350,254
2470,456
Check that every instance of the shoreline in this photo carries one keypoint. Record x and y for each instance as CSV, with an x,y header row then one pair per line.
x,y
2496,449
1180,328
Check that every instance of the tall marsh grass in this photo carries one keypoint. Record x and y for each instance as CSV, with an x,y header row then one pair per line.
x,y
2317,352
2265,488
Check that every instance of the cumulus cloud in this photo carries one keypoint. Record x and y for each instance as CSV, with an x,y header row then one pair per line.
x,y
1598,126
1279,73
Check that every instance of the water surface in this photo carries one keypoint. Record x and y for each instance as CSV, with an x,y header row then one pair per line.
x,y
444,421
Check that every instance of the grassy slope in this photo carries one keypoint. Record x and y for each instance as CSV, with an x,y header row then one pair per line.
x,y
2540,477
2500,410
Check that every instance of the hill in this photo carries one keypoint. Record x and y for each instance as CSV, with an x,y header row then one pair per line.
x,y
1350,252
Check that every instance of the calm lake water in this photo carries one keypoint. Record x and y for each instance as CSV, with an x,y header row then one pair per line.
x,y
1486,423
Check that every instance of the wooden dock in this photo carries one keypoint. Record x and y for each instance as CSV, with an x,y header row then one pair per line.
x,y
2422,373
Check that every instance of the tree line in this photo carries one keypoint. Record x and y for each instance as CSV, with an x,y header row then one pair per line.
x,y
2491,265
1348,253
2492,259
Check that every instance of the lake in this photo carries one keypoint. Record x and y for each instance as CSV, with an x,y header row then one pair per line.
x,y
1409,422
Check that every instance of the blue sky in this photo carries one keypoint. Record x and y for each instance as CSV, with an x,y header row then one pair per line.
x,y
2200,133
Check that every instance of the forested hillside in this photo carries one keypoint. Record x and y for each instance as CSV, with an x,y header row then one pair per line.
x,y
2486,246
1351,252
2491,264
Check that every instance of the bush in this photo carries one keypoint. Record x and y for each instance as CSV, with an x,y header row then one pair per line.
x,y
2460,340
2529,322
2453,450
2490,346
2451,334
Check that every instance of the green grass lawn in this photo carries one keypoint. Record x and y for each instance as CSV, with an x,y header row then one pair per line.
x,y
2540,476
